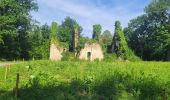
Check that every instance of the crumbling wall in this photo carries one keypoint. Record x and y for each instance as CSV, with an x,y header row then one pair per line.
x,y
91,52
75,41
55,52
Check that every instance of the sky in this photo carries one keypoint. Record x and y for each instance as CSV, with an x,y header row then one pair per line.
x,y
90,12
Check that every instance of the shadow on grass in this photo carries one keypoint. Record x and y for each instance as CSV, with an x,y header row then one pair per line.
x,y
124,87
119,87
76,90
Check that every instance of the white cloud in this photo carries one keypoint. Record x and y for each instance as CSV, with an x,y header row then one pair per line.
x,y
87,15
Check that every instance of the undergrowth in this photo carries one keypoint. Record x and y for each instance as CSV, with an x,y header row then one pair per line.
x,y
48,80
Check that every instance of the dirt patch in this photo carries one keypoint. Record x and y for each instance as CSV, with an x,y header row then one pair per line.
x,y
4,64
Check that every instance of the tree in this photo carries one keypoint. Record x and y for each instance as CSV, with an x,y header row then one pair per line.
x,y
119,40
45,31
106,38
36,41
149,35
66,32
54,31
136,35
14,28
157,6
96,31
40,41
120,45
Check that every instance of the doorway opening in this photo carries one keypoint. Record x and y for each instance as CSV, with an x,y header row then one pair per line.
x,y
89,55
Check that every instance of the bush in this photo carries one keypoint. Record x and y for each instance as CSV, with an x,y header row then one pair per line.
x,y
69,56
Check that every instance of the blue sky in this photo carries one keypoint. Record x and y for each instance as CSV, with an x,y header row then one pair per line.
x,y
90,12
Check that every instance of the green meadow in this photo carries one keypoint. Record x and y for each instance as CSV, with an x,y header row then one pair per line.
x,y
83,80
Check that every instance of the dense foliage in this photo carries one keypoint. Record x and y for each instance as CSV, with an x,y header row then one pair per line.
x,y
54,31
114,78
39,41
120,46
96,32
47,80
21,37
15,25
149,34
66,32
106,38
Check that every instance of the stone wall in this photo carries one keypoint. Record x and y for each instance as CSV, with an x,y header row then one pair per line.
x,y
91,52
75,41
55,52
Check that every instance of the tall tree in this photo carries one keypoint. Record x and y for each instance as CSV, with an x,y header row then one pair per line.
x,y
66,32
40,41
97,31
36,41
159,16
157,6
136,35
106,38
45,31
119,40
14,27
148,35
120,45
54,31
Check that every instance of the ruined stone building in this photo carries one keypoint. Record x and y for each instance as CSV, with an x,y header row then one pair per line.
x,y
55,52
91,52
75,41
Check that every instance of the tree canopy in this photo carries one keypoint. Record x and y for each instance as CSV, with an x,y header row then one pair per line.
x,y
22,37
106,37
149,34
14,27
54,32
121,48
97,31
66,31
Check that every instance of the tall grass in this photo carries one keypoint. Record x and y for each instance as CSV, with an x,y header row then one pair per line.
x,y
48,80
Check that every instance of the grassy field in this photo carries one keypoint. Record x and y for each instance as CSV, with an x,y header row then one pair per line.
x,y
47,80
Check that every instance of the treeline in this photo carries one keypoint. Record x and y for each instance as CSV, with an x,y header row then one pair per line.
x,y
149,34
16,28
21,37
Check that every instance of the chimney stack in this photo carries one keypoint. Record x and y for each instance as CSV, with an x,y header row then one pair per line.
x,y
75,44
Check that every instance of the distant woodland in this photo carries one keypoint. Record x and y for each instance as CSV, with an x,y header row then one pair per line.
x,y
22,37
